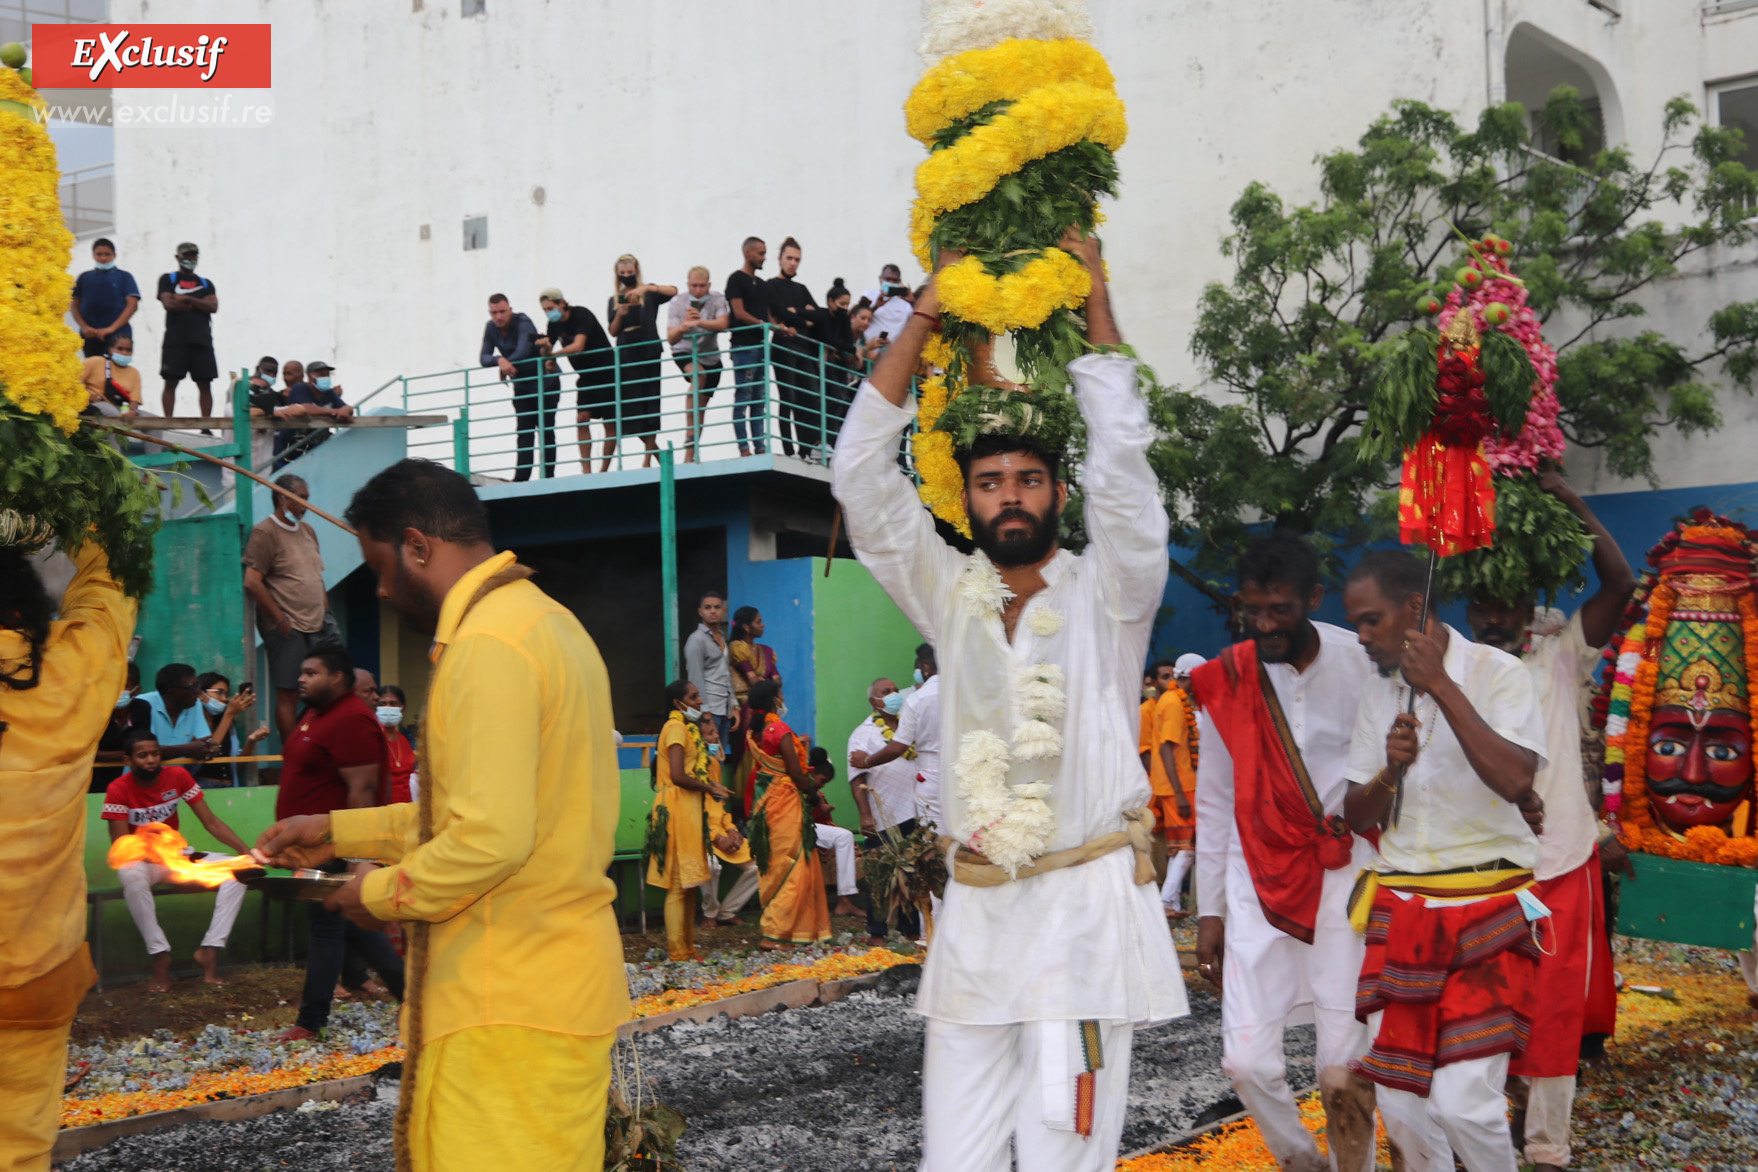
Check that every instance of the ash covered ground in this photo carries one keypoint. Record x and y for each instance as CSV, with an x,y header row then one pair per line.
x,y
835,1089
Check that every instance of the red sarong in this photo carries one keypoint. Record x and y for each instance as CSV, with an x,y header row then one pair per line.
x,y
1287,841
1455,982
1560,994
1602,989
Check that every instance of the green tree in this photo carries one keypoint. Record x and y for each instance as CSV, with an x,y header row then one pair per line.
x,y
1294,342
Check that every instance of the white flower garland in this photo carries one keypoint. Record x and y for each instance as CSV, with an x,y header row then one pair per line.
x,y
980,587
1044,621
1011,824
952,26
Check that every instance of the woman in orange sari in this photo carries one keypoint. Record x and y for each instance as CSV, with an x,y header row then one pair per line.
x,y
784,842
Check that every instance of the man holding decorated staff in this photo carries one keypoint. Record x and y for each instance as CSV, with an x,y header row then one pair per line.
x,y
1275,861
1448,909
1051,946
1561,655
516,981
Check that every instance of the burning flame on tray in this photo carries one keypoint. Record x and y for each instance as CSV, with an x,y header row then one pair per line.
x,y
158,843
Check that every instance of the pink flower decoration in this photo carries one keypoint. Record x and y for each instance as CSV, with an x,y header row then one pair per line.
x,y
1541,438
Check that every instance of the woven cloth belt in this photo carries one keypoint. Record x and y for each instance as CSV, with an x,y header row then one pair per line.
x,y
1496,878
972,870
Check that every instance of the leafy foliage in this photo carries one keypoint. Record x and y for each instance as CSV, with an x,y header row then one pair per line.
x,y
84,489
1508,375
1539,549
1324,301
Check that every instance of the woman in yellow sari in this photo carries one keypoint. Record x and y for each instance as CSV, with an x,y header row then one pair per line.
x,y
784,841
677,828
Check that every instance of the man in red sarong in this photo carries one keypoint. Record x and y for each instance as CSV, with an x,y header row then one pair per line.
x,y
1274,860
1449,910
1560,655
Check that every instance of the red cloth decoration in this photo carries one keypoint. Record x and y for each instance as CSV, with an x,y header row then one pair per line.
x,y
1445,499
1287,846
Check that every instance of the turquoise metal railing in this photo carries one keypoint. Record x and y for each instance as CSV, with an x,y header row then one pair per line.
x,y
530,425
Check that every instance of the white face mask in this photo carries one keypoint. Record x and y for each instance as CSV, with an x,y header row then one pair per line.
x,y
780,711
122,701
214,707
390,715
692,714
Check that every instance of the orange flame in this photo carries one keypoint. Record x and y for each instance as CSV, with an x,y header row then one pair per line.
x,y
158,843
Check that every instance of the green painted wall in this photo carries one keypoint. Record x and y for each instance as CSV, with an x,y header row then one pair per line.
x,y
195,614
858,636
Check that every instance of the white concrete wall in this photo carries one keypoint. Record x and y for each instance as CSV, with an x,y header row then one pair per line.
x,y
673,128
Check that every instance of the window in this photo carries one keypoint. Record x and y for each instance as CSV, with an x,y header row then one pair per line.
x,y
17,16
475,233
473,7
1736,107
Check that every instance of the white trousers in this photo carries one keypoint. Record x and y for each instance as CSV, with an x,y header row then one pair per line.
x,y
743,888
1549,1106
137,881
1468,1103
1171,892
985,1085
842,843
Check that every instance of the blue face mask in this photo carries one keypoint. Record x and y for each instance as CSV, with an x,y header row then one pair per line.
x,y
105,266
122,359
214,707
893,704
321,382
268,380
553,314
920,678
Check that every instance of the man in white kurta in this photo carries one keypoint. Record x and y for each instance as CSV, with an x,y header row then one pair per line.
x,y
1032,988
1268,978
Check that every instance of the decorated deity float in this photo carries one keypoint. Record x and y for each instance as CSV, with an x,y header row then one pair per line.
x,y
1676,706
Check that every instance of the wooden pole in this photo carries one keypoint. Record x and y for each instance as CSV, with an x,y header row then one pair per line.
x,y
200,455
835,533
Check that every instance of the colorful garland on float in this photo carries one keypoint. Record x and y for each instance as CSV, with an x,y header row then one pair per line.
x,y
1021,118
1624,705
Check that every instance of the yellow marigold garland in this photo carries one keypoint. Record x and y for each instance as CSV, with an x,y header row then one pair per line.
x,y
1023,299
966,82
39,355
942,488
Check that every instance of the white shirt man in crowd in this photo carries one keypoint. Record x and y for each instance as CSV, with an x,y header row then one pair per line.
x,y
1561,655
884,793
1446,985
1274,934
891,305
1039,973
917,734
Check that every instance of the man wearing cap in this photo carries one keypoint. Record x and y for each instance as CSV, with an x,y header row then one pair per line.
x,y
320,395
190,303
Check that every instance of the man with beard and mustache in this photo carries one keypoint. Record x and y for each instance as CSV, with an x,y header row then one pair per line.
x,y
516,981
1274,861
1451,920
1039,971
1561,656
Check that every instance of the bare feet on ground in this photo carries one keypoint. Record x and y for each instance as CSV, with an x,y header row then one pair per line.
x,y
161,980
846,907
209,960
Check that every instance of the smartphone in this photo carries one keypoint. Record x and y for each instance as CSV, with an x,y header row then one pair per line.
x,y
885,335
698,302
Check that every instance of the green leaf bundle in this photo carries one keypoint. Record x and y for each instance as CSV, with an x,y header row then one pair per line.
x,y
1508,378
1403,396
1539,550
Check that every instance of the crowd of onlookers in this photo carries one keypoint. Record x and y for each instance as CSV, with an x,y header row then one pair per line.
x,y
818,355
775,327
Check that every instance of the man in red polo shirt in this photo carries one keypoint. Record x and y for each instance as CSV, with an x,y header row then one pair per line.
x,y
336,759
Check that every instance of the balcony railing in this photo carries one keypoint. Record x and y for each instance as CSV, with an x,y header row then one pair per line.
x,y
792,404
88,199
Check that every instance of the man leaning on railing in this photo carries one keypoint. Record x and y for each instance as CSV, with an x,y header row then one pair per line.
x,y
510,342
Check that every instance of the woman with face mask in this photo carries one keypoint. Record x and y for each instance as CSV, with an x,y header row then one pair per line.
x,y
222,710
404,780
634,323
784,838
677,830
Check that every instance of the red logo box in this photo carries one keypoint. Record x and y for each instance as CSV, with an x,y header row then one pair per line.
x,y
150,56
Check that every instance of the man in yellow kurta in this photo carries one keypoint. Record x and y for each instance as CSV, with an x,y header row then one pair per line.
x,y
516,981
58,686
677,838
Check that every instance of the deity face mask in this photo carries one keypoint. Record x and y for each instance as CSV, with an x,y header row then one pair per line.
x,y
1698,776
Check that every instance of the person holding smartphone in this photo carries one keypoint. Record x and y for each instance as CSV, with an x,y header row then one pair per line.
x,y
891,303
693,328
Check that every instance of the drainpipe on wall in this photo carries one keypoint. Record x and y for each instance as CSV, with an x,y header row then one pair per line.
x,y
1495,62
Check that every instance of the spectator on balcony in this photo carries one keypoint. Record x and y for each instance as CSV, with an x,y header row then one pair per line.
x,y
891,304
747,298
284,575
262,379
797,366
859,318
634,323
509,341
321,397
575,331
112,384
104,299
190,303
691,328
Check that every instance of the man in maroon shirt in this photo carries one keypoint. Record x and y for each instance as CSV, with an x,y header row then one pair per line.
x,y
337,758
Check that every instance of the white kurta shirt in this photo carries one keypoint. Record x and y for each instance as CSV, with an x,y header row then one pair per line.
x,y
893,799
1559,664
1450,818
1320,704
1084,942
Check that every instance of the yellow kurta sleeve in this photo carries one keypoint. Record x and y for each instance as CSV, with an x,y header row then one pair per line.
x,y
386,833
487,762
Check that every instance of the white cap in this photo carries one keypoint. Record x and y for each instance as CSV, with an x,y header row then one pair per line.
x,y
1187,663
